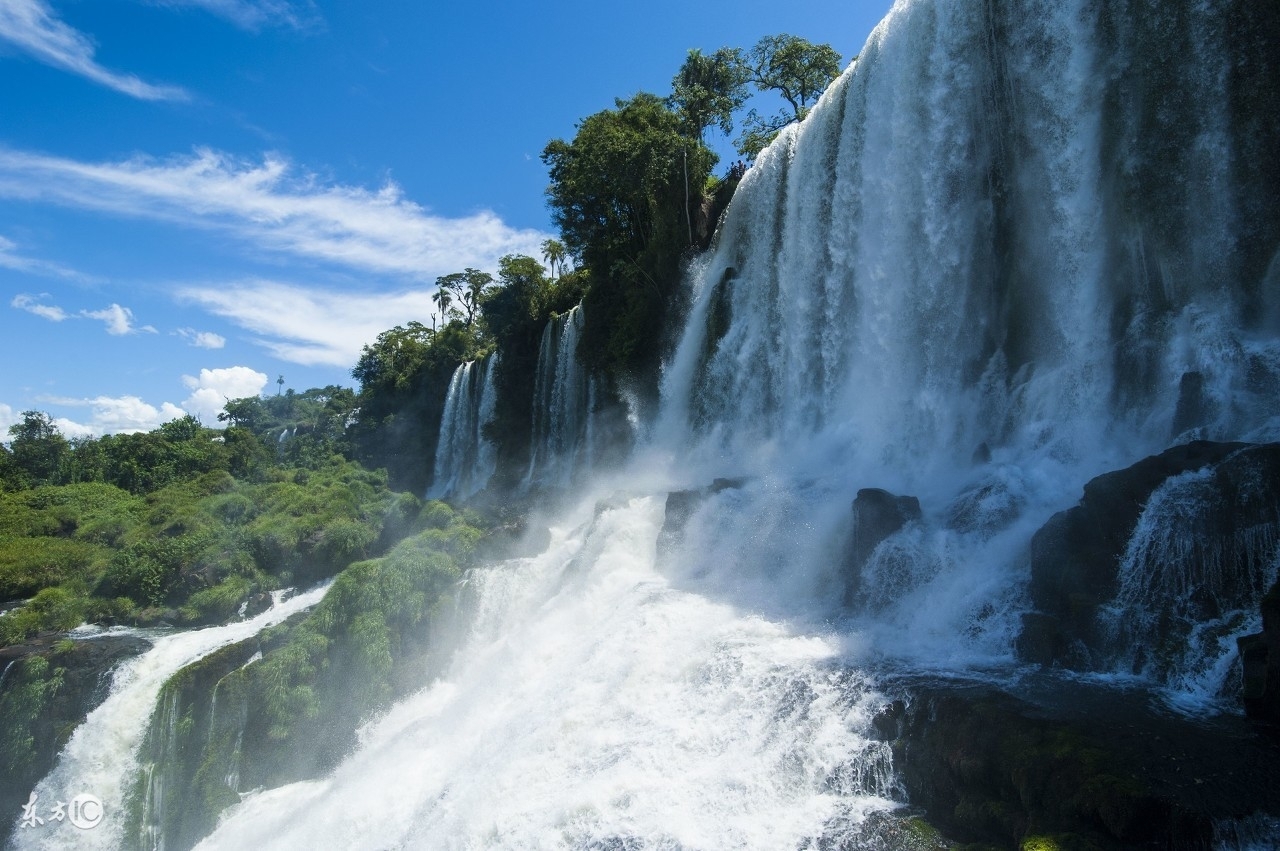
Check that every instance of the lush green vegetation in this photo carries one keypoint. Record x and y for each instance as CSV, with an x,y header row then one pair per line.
x,y
294,713
185,523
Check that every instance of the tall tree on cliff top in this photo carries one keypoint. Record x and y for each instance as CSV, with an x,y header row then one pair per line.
x,y
798,70
709,89
618,195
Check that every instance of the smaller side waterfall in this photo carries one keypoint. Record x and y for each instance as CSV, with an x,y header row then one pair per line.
x,y
101,759
1205,550
564,396
465,458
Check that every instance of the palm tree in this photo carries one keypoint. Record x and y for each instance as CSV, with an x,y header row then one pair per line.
x,y
443,298
554,252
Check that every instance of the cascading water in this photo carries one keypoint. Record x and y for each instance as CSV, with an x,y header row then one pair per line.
x,y
1015,245
563,397
465,458
102,756
600,703
1187,590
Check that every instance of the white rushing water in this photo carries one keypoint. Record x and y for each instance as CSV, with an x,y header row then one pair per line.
x,y
465,457
562,401
600,703
101,759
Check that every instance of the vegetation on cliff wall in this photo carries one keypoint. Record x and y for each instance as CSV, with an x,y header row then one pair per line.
x,y
290,700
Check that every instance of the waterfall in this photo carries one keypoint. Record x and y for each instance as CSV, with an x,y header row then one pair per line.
x,y
1015,245
970,243
102,756
1006,252
563,398
1191,581
465,457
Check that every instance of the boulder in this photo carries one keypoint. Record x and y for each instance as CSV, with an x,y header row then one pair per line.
x,y
681,505
877,514
1083,766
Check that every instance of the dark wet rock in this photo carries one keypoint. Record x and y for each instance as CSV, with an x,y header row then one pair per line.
x,y
981,455
1260,658
1084,766
877,514
49,685
1193,410
682,504
1075,557
257,604
985,509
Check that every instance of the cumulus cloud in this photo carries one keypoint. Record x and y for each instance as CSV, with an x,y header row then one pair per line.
x,y
119,320
213,388
273,204
8,417
309,326
255,14
32,26
202,339
32,304
114,415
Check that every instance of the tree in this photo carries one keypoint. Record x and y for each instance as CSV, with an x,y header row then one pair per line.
x,y
554,252
618,195
37,449
468,286
249,412
443,297
795,68
709,89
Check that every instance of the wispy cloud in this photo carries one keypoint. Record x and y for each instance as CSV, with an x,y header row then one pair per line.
x,y
275,205
119,320
32,26
10,259
309,326
202,339
32,304
253,15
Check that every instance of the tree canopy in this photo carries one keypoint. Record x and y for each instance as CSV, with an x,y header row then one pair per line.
x,y
798,70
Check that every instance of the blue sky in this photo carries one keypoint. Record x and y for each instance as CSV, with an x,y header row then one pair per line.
x,y
200,196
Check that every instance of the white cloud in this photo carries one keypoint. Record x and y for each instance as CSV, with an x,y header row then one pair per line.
x,y
119,320
202,339
10,260
31,304
8,417
114,415
307,326
255,14
214,387
32,26
273,204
